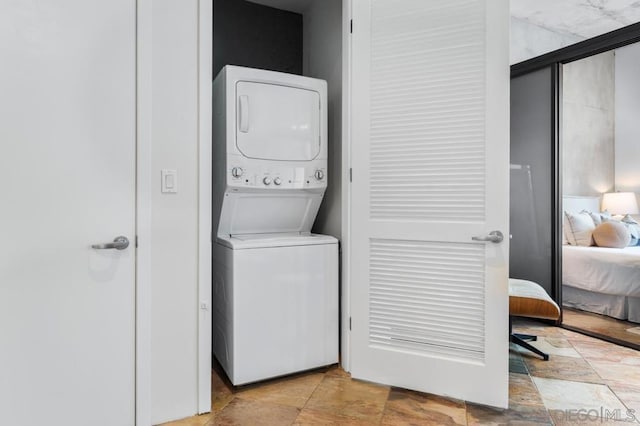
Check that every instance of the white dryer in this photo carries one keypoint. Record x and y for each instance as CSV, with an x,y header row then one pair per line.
x,y
275,285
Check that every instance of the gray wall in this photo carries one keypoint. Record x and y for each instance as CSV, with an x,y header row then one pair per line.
x,y
588,125
627,149
252,35
322,58
531,212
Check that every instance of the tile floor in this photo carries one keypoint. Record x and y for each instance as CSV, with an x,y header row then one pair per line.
x,y
586,381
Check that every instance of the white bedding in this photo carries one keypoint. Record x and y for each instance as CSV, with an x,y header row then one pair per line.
x,y
602,270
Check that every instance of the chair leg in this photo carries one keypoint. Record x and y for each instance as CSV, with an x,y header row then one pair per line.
x,y
527,337
519,339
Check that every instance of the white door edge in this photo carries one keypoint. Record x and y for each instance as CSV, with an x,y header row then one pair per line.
x,y
345,240
144,101
205,84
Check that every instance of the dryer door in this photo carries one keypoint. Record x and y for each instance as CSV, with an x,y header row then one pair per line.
x,y
277,122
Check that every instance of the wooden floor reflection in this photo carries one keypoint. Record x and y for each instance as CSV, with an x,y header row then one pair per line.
x,y
603,325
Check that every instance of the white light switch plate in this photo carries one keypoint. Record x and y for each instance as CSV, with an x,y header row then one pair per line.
x,y
169,181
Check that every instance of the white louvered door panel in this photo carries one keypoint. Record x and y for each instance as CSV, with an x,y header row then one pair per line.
x,y
430,158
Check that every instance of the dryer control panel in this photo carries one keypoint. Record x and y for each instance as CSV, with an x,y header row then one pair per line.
x,y
276,177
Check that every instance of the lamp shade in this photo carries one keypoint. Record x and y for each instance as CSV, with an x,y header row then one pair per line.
x,y
620,202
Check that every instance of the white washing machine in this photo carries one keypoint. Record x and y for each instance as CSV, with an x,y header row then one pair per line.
x,y
275,285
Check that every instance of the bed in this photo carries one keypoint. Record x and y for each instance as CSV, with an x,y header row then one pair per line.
x,y
597,279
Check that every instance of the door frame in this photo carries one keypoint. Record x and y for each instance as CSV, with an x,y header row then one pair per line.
x,y
602,43
205,170
144,191
555,60
345,241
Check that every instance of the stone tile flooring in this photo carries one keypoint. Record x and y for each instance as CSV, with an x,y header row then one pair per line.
x,y
586,381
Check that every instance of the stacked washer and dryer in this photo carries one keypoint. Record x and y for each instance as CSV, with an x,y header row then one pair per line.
x,y
275,284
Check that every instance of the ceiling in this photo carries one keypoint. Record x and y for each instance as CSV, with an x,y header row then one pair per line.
x,y
583,18
540,26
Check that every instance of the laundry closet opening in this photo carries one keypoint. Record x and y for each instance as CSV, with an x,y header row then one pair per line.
x,y
300,37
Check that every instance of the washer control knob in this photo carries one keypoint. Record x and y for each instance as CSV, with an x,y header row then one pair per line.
x,y
319,174
236,172
277,181
266,180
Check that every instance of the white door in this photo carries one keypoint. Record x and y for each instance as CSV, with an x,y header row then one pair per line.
x,y
430,160
67,160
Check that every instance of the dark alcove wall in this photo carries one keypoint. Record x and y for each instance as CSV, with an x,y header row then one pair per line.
x,y
256,36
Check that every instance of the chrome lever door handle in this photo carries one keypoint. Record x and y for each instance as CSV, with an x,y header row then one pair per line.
x,y
119,243
493,237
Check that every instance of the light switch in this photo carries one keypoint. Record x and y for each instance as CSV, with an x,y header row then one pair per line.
x,y
169,181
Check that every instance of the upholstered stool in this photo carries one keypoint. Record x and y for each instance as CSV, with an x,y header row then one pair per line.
x,y
528,299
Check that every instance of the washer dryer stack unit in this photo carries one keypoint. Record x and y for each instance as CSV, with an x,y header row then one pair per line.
x,y
275,285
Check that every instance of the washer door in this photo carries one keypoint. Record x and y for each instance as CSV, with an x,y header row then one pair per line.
x,y
276,122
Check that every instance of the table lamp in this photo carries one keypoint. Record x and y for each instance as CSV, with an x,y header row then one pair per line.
x,y
620,203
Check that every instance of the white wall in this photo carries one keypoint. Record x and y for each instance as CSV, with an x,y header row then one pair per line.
x,y
174,228
322,58
627,125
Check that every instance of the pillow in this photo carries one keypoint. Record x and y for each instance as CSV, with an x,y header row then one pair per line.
x,y
580,226
612,234
633,227
598,218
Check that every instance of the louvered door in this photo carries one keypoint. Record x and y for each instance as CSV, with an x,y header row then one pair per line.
x,y
430,101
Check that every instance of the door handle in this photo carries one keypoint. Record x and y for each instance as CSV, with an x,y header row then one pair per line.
x,y
493,237
244,113
119,243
